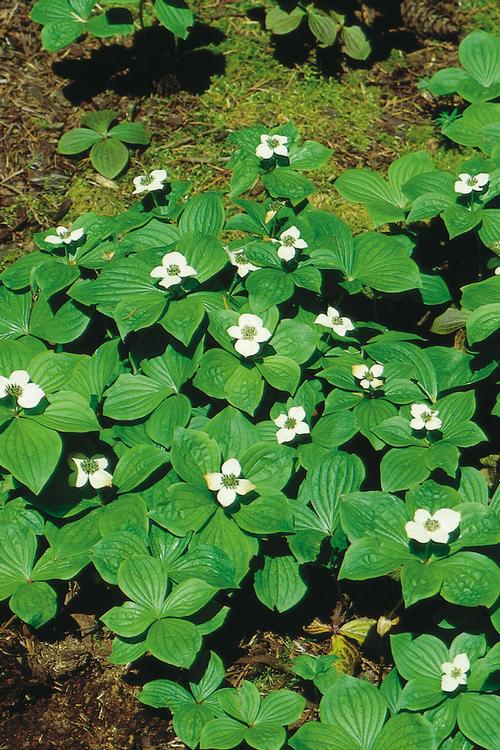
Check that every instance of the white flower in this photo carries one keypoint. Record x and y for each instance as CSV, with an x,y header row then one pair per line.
x,y
240,260
18,386
250,333
147,183
424,418
454,673
467,183
369,377
63,234
497,271
290,241
333,320
432,528
270,145
291,424
227,483
90,470
173,269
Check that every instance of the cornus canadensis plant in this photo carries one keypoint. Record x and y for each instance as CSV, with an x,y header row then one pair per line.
x,y
226,427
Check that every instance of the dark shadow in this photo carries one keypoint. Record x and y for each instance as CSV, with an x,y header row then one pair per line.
x,y
153,64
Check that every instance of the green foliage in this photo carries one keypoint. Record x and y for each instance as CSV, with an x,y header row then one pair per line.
x,y
108,153
65,21
185,388
327,26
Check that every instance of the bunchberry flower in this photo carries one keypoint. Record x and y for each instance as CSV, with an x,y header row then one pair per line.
x,y
227,482
424,418
291,424
238,259
64,235
148,183
250,333
174,267
89,470
437,527
369,377
270,145
467,183
454,673
289,241
333,320
17,385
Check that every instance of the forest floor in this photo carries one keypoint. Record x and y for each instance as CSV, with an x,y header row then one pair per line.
x,y
57,688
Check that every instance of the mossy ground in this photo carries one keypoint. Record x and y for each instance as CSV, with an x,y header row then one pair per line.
x,y
369,114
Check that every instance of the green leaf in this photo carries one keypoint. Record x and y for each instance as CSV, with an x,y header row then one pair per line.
x,y
129,620
109,553
133,397
188,597
419,581
100,120
34,603
244,388
408,731
136,465
115,21
270,514
459,220
109,156
77,141
280,21
164,694
295,340
284,182
313,735
143,580
193,455
265,737
333,430
324,28
479,53
30,452
478,719
469,579
483,322
403,468
222,734
282,373
172,413
267,465
370,558
183,318
279,584
60,33
268,287
356,44
203,214
67,412
187,508
418,657
281,706
175,16
17,555
189,720
311,155
356,706
174,641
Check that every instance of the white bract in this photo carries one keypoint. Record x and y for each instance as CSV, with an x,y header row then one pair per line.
x,y
454,673
291,424
424,418
433,527
17,385
148,183
241,262
174,267
335,321
466,183
369,377
64,235
289,241
89,470
227,482
250,334
270,145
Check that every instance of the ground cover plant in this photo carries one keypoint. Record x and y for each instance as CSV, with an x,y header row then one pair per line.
x,y
221,391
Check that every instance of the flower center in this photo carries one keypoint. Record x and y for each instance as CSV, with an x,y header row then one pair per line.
x,y
456,672
90,465
240,258
337,321
173,270
427,416
290,423
287,240
472,181
431,524
273,142
230,481
14,390
249,332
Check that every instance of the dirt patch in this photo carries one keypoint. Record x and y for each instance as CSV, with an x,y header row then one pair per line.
x,y
67,694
